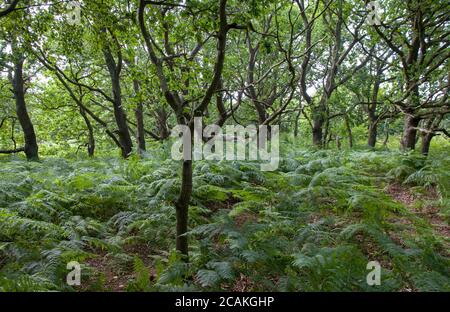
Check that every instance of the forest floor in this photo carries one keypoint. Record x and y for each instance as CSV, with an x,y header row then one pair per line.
x,y
422,206
312,225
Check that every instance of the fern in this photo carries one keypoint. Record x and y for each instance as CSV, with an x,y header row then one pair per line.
x,y
306,227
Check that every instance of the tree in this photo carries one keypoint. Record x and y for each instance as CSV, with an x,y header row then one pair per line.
x,y
115,68
417,32
17,80
15,64
176,95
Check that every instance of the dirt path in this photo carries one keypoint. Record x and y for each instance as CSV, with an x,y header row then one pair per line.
x,y
404,195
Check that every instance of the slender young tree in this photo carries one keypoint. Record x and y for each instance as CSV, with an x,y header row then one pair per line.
x,y
176,96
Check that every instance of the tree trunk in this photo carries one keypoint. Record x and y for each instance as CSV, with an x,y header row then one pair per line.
x,y
182,209
408,141
373,119
317,133
373,132
139,114
338,142
372,107
297,123
119,113
319,115
121,121
91,139
349,132
161,116
426,140
31,147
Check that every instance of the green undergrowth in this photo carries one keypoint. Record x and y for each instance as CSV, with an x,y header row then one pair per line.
x,y
312,225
